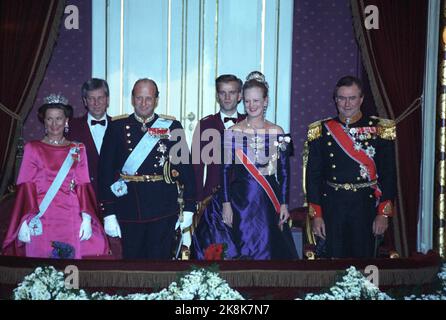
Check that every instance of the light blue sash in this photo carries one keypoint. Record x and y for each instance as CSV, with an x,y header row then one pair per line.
x,y
35,224
138,155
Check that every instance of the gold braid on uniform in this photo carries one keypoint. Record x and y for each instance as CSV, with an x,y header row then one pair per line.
x,y
386,128
122,116
315,130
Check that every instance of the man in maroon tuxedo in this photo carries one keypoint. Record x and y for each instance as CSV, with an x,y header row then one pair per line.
x,y
207,172
90,128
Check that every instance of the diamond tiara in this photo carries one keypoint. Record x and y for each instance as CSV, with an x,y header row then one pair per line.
x,y
55,98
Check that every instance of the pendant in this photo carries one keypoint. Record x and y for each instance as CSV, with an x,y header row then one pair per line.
x,y
143,128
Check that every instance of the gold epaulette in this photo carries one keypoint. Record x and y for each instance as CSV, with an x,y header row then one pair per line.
x,y
386,128
122,116
164,116
315,130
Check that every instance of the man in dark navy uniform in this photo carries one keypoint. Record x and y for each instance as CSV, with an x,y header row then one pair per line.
x,y
142,157
351,175
208,172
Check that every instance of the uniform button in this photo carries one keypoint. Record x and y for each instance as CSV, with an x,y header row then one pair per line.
x,y
334,178
91,178
371,196
127,127
331,155
328,133
370,123
129,141
329,143
324,194
128,134
333,166
130,149
358,178
366,143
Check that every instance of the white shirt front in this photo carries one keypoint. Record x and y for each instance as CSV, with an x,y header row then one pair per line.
x,y
97,131
229,123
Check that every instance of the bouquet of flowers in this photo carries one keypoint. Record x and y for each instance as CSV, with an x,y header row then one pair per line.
x,y
215,251
62,250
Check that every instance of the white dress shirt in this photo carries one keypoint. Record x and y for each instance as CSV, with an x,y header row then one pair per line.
x,y
229,123
97,131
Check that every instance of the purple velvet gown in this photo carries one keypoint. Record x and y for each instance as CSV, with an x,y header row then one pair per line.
x,y
62,220
255,233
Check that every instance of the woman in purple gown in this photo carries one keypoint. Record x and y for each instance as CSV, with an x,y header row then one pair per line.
x,y
54,212
249,215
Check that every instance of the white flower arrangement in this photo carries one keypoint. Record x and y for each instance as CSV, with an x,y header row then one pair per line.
x,y
354,286
48,284
202,284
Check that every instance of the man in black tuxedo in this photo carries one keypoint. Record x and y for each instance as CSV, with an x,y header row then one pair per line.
x,y
207,172
90,128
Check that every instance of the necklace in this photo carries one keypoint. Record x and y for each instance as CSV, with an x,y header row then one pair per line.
x,y
144,121
55,141
249,125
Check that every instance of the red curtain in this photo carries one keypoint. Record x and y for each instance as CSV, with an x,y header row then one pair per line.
x,y
28,32
394,57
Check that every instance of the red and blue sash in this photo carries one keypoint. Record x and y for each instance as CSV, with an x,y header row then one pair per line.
x,y
255,173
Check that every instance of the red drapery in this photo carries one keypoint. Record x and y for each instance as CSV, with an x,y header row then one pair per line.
x,y
28,32
394,56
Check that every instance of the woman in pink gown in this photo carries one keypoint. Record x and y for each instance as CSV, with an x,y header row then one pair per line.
x,y
70,227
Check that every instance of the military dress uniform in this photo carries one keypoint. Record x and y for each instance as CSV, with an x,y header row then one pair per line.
x,y
148,212
350,178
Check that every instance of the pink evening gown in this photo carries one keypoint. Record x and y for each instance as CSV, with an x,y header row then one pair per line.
x,y
62,220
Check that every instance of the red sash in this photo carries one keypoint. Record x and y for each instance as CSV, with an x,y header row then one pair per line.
x,y
259,178
347,144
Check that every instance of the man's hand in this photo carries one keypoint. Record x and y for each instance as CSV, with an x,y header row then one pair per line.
x,y
184,224
111,226
380,225
318,227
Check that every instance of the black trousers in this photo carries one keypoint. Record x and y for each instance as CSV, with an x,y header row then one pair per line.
x,y
348,218
150,240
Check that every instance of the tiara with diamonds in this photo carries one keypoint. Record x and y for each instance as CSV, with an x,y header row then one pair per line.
x,y
55,98
257,76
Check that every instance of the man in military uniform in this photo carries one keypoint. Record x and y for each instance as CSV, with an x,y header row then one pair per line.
x,y
351,175
137,178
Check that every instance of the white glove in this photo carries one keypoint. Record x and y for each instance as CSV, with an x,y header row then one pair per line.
x,y
186,223
85,230
111,226
24,233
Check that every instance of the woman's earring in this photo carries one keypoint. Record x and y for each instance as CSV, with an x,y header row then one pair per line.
x,y
67,128
264,111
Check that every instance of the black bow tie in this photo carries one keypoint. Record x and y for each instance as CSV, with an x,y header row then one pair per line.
x,y
95,122
226,119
